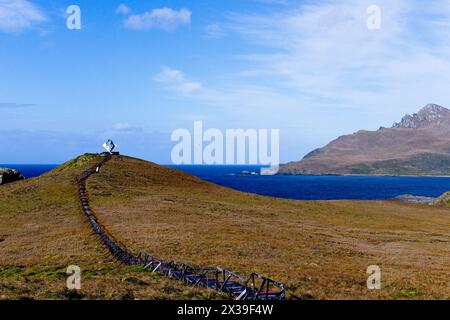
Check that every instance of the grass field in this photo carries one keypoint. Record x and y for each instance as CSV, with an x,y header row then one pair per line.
x,y
320,249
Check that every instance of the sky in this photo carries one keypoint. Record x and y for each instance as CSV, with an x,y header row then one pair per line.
x,y
138,70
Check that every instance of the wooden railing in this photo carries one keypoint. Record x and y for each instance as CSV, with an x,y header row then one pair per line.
x,y
256,287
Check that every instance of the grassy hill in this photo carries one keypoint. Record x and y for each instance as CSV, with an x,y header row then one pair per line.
x,y
320,249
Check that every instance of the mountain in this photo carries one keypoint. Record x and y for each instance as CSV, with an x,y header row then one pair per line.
x,y
417,145
319,249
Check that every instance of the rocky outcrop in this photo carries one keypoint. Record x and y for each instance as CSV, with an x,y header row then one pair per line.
x,y
417,145
442,200
409,198
431,113
9,175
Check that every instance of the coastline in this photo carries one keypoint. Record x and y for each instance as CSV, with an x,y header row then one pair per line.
x,y
364,175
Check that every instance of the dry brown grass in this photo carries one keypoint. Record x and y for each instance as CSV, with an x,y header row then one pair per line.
x,y
319,249
42,231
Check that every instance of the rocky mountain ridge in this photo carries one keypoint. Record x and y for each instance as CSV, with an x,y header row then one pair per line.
x,y
431,113
417,145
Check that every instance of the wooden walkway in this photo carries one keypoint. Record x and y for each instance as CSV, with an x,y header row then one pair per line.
x,y
255,287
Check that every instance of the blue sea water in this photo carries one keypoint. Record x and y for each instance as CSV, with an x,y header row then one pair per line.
x,y
300,187
320,187
30,170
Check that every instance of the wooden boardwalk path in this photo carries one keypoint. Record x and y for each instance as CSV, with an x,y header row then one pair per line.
x,y
255,287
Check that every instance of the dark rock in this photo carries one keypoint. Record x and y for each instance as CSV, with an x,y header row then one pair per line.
x,y
71,294
135,281
9,175
247,173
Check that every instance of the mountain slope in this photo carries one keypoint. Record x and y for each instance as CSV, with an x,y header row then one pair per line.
x,y
319,249
418,145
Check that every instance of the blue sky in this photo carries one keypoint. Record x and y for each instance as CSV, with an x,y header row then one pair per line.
x,y
137,70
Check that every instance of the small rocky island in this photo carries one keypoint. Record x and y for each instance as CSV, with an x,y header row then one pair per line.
x,y
9,175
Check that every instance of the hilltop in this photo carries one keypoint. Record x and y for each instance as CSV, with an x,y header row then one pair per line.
x,y
321,250
417,145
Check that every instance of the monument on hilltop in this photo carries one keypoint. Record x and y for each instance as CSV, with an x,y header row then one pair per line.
x,y
110,146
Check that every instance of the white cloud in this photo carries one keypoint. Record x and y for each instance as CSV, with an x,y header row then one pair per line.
x,y
13,105
325,52
18,15
215,30
164,18
123,9
125,127
278,2
177,80
316,71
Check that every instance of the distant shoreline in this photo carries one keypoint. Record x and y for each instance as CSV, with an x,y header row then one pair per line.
x,y
237,166
9,165
365,175
306,187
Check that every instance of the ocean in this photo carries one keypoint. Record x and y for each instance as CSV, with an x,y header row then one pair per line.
x,y
30,170
301,187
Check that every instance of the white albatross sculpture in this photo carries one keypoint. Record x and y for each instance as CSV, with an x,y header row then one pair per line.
x,y
109,146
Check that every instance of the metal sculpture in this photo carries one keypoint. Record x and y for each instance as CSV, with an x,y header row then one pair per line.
x,y
109,146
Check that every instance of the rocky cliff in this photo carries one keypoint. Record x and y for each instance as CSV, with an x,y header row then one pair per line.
x,y
431,113
9,175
